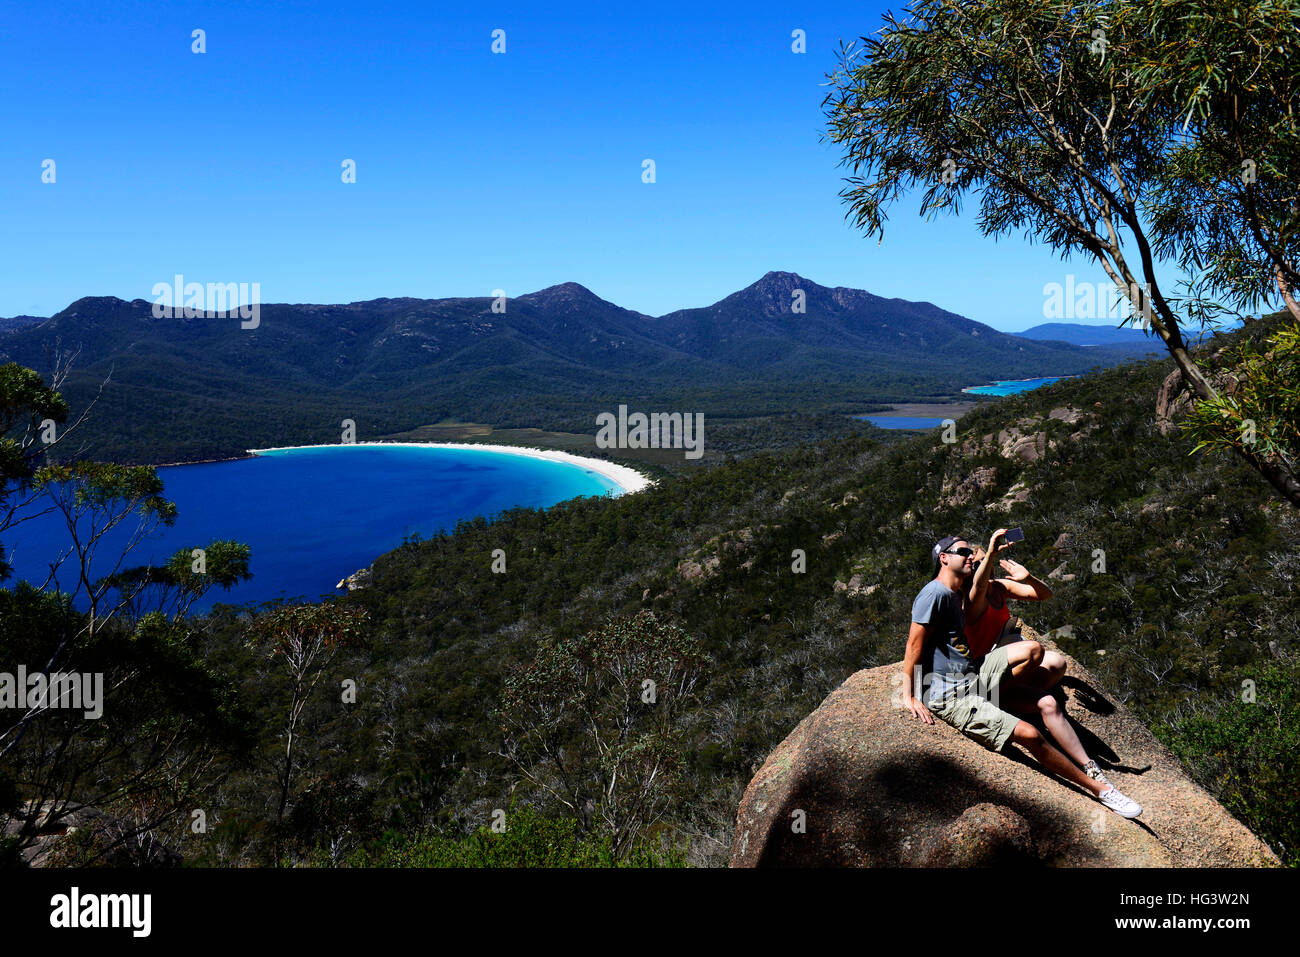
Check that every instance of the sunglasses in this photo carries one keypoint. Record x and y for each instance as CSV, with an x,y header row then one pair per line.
x,y
966,552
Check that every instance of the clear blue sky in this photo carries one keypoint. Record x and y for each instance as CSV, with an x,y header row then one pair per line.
x,y
475,171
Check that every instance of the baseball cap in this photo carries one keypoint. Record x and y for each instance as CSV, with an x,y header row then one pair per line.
x,y
942,546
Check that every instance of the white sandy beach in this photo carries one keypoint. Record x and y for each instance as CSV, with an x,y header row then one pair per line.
x,y
627,480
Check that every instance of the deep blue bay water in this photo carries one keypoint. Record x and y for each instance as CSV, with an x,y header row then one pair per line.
x,y
313,516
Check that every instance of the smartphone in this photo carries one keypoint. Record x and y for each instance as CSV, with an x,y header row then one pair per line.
x,y
1015,535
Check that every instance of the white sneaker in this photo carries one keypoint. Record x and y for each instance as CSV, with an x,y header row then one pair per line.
x,y
1125,807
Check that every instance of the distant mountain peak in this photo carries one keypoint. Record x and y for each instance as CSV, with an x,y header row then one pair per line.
x,y
565,290
568,298
773,293
778,281
102,308
94,302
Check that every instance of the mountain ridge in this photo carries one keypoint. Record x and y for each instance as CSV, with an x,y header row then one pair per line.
x,y
184,389
768,284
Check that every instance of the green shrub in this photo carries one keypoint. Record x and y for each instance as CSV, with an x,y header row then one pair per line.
x,y
529,840
1248,755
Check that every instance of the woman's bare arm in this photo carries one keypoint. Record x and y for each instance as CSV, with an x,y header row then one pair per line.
x,y
979,585
1021,584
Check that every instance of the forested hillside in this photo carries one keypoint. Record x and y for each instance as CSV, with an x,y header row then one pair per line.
x,y
498,672
1197,596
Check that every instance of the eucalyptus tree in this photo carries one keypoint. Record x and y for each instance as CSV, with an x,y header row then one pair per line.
x,y
304,640
103,707
29,410
599,723
1157,138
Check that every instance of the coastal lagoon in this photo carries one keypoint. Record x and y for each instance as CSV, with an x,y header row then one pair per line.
x,y
313,516
921,416
902,421
1012,386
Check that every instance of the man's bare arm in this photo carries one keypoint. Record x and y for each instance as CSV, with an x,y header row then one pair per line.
x,y
916,639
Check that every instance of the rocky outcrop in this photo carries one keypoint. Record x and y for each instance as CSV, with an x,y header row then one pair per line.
x,y
854,587
1173,401
690,569
706,560
1014,445
959,491
1022,443
1020,492
862,783
1025,441
1061,573
358,579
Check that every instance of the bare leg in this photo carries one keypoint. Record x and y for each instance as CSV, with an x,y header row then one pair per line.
x,y
1048,674
1055,720
1033,666
1022,701
1053,760
1023,660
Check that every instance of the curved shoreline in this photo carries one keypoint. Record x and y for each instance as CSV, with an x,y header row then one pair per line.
x,y
172,465
626,480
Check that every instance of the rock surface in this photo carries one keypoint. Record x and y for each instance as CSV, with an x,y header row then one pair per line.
x,y
958,492
1173,401
358,579
705,561
878,788
1025,441
985,835
854,587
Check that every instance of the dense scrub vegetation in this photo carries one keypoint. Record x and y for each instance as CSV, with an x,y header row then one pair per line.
x,y
1175,584
530,840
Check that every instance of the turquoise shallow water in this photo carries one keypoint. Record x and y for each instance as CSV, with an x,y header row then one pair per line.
x,y
902,421
1011,386
1001,387
313,516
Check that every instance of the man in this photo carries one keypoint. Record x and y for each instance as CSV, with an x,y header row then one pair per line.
x,y
963,691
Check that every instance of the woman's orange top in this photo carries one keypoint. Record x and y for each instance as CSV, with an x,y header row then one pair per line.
x,y
981,632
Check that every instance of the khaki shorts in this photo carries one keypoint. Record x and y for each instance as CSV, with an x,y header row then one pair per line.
x,y
972,713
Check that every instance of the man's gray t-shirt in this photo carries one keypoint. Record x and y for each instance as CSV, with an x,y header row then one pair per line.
x,y
946,660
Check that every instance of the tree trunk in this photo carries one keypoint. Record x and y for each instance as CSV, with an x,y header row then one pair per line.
x,y
1194,381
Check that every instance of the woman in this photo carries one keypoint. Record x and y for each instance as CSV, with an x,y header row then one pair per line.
x,y
988,625
988,621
